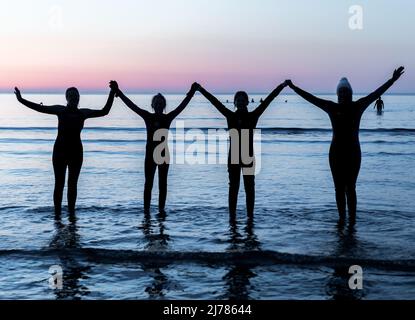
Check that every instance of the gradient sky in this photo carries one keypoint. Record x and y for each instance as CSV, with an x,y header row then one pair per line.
x,y
164,45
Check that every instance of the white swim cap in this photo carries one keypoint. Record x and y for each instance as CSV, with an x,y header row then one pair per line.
x,y
344,83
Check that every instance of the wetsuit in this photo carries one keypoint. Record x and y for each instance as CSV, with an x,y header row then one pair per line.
x,y
379,105
68,153
241,159
345,154
68,150
155,122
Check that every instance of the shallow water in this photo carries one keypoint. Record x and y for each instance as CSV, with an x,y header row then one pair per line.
x,y
293,249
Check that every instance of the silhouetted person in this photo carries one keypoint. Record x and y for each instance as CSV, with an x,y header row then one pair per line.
x,y
345,153
379,106
68,150
239,121
157,123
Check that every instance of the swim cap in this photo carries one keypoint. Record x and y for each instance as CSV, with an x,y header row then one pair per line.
x,y
344,83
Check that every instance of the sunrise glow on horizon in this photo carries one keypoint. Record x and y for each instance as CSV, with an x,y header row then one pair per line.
x,y
225,45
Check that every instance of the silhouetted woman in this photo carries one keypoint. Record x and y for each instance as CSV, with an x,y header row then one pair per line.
x,y
68,151
241,125
157,124
345,153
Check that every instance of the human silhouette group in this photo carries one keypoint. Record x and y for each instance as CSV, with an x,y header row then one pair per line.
x,y
344,156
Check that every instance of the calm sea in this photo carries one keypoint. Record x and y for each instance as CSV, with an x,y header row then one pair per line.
x,y
292,250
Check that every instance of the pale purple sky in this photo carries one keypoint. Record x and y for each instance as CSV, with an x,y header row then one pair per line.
x,y
165,45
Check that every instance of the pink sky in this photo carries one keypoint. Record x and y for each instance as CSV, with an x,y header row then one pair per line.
x,y
161,47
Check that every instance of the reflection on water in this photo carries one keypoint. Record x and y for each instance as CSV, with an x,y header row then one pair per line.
x,y
67,237
338,283
157,240
237,278
154,232
124,275
237,241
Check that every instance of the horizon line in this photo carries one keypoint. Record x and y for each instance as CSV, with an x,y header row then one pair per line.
x,y
135,91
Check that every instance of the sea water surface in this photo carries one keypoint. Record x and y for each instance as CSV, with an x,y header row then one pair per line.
x,y
292,249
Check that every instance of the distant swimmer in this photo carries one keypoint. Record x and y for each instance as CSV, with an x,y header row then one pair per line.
x,y
68,149
379,106
241,157
345,154
156,122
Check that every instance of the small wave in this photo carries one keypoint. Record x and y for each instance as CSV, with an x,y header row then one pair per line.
x,y
136,207
384,142
252,258
401,131
36,140
27,128
7,208
395,130
394,153
134,129
287,130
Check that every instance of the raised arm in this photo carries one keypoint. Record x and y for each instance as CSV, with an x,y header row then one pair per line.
x,y
368,100
264,105
90,113
126,100
38,107
320,103
173,114
216,103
